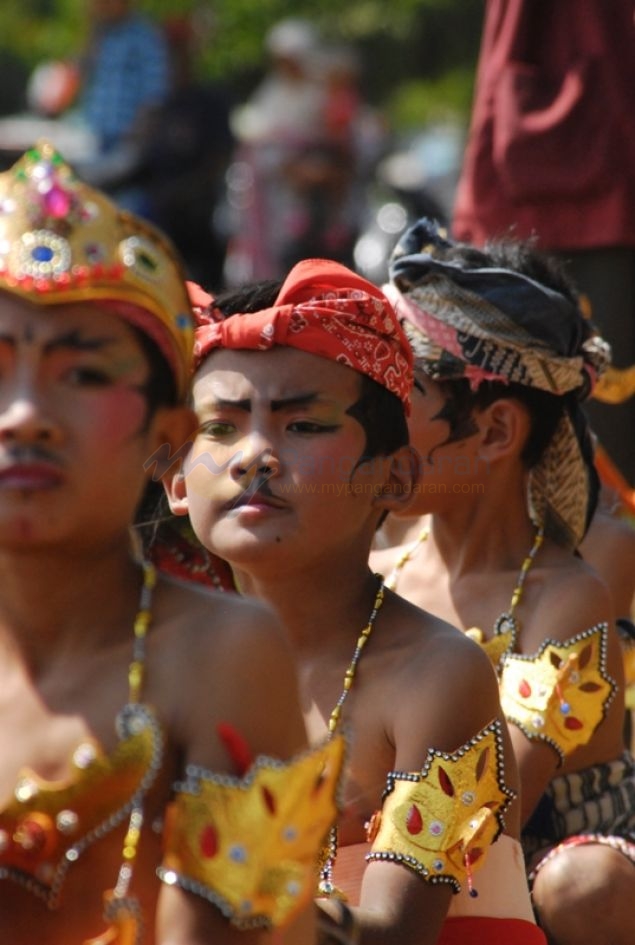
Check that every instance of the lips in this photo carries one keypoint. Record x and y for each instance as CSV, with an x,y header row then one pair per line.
x,y
29,476
256,500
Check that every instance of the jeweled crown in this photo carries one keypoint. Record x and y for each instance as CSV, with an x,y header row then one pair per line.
x,y
63,241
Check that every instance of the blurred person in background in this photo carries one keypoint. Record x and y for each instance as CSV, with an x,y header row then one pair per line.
x,y
290,182
125,76
187,149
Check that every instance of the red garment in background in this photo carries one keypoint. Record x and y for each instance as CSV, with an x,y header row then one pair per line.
x,y
551,149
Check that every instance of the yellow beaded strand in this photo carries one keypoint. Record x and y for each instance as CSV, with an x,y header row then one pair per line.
x,y
136,673
517,593
349,675
326,886
393,577
141,624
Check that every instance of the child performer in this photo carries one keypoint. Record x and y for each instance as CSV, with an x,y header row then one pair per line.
x,y
507,488
302,449
130,706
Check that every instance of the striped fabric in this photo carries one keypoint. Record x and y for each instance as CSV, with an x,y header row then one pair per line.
x,y
599,800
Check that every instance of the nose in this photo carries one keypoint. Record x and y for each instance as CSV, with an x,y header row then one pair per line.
x,y
24,419
255,458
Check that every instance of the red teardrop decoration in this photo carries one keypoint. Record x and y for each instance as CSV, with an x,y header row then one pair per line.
x,y
473,855
585,655
554,659
482,764
524,689
209,841
414,821
572,723
446,785
269,799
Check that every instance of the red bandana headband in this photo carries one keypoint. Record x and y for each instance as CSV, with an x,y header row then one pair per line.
x,y
325,309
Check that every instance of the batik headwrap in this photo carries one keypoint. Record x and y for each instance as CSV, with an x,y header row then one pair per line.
x,y
62,241
325,309
494,324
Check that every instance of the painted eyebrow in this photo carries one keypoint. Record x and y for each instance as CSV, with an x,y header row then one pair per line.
x,y
290,403
75,342
71,340
284,403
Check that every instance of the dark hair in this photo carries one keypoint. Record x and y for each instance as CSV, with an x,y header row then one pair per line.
x,y
160,391
545,411
381,415
160,388
253,297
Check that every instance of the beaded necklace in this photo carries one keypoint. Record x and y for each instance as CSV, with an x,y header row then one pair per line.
x,y
326,886
120,907
393,577
507,623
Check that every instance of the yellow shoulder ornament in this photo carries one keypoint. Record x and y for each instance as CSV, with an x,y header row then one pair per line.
x,y
439,821
561,694
502,641
251,845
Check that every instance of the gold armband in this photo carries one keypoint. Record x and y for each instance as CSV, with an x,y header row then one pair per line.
x,y
440,821
251,845
561,694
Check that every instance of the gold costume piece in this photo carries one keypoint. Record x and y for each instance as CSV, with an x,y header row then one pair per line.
x,y
616,386
440,821
561,694
501,642
63,241
48,824
251,845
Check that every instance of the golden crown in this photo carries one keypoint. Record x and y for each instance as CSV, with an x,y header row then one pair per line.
x,y
62,241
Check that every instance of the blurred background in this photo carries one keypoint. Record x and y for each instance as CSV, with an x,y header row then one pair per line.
x,y
380,141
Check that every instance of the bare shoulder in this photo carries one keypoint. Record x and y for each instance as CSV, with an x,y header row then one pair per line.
x,y
218,657
608,535
218,617
444,674
571,597
240,637
433,638
609,547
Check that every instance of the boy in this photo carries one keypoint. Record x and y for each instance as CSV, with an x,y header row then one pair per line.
x,y
504,360
121,692
302,448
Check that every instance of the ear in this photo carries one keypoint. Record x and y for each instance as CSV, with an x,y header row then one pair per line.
x,y
398,488
503,429
174,485
173,434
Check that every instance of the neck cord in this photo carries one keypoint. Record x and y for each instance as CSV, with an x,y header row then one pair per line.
x,y
326,886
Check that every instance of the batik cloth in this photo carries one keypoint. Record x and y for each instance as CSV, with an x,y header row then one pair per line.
x,y
597,802
493,324
327,310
